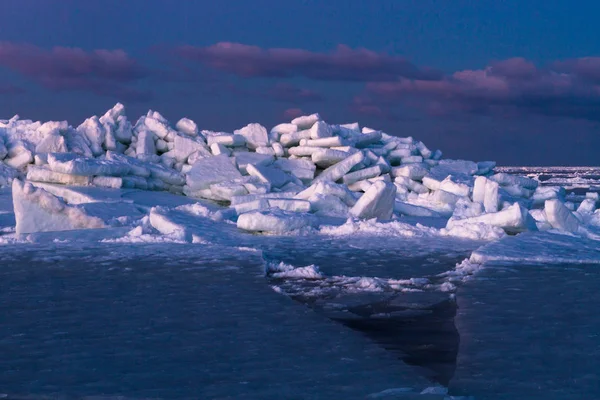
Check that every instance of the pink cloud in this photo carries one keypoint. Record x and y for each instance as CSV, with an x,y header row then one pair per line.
x,y
341,64
508,87
104,72
292,113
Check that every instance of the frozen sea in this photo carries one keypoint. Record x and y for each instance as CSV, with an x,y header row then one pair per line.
x,y
84,319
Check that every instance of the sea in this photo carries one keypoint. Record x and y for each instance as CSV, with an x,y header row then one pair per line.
x,y
122,321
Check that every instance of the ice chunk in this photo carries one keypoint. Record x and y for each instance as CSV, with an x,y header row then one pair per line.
x,y
543,193
187,126
294,205
414,211
459,189
294,138
136,167
52,143
278,149
328,204
112,182
135,182
513,219
302,169
274,221
255,134
227,139
211,170
36,210
71,164
377,202
333,141
254,205
285,128
335,172
157,125
145,144
505,179
304,151
95,132
485,167
242,160
367,139
587,206
7,174
124,131
20,159
411,159
329,188
39,174
412,171
306,121
485,192
328,157
77,143
273,176
184,146
320,130
366,173
217,149
560,217
226,190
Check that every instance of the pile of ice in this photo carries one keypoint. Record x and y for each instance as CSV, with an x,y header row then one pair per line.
x,y
293,176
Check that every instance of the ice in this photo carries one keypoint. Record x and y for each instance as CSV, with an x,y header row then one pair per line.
x,y
275,177
513,219
329,188
145,144
485,192
112,182
377,202
184,146
20,159
242,160
560,217
304,151
337,171
306,121
95,133
327,158
294,138
54,142
255,134
226,139
67,163
187,126
39,211
512,180
362,174
320,130
211,170
40,174
328,204
274,221
414,210
294,205
332,141
284,128
411,171
301,169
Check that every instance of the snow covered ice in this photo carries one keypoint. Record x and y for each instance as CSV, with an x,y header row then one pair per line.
x,y
281,191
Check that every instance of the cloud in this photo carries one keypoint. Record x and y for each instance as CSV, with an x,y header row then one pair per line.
x,y
103,72
341,64
292,113
510,87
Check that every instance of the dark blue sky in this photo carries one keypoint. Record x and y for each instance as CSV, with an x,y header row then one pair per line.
x,y
435,70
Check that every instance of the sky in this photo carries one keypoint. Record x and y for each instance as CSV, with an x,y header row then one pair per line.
x,y
513,81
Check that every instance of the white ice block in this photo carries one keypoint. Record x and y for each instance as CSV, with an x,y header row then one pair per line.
x,y
505,179
337,171
560,217
413,171
94,131
328,157
186,145
377,202
227,139
145,143
294,138
284,128
366,173
412,210
485,192
242,160
274,221
255,134
513,219
304,151
273,176
68,163
211,170
459,189
333,141
187,126
306,121
52,143
320,130
36,210
39,174
328,204
294,205
112,182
